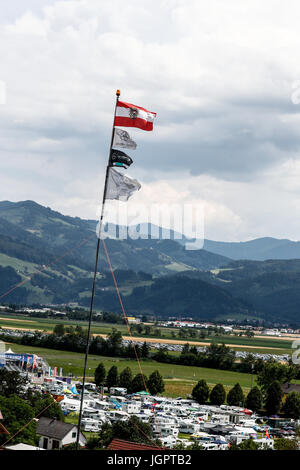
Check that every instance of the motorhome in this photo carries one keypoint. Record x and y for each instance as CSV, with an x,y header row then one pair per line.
x,y
90,387
220,418
161,429
92,427
101,405
265,443
118,391
131,407
241,434
169,442
188,427
117,415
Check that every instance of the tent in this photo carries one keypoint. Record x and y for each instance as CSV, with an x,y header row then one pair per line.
x,y
9,351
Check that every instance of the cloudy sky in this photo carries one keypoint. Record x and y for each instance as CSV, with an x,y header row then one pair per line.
x,y
223,78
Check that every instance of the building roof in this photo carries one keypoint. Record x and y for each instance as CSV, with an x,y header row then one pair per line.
x,y
53,428
3,429
119,444
22,446
287,388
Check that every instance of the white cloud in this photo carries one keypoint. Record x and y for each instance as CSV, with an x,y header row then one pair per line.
x,y
218,74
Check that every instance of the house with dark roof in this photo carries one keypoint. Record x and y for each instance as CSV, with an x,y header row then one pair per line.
x,y
119,444
55,434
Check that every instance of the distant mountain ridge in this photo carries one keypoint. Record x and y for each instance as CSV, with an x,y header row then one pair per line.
x,y
55,255
259,249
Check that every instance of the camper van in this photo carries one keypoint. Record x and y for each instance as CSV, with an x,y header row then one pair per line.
x,y
188,427
117,415
118,391
214,446
265,443
169,442
92,426
162,428
90,387
132,407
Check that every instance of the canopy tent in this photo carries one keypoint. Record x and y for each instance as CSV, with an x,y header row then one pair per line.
x,y
9,351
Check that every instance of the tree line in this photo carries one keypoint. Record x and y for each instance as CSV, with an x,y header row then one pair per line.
x,y
266,399
125,379
216,356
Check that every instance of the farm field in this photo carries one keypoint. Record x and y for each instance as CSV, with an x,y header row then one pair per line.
x,y
256,344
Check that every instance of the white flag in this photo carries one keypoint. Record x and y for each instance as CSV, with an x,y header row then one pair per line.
x,y
119,186
123,139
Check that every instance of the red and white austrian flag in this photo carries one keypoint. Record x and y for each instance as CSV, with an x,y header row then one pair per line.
x,y
130,115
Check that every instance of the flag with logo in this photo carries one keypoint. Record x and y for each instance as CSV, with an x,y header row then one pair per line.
x,y
130,115
119,186
119,158
122,139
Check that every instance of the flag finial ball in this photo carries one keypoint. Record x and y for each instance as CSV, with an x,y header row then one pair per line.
x,y
118,92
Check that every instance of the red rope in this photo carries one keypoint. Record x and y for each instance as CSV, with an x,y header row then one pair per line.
x,y
128,327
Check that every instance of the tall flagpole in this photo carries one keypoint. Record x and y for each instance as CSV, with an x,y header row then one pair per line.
x,y
95,273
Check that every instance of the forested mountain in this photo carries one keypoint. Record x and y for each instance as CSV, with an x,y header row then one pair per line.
x,y
54,255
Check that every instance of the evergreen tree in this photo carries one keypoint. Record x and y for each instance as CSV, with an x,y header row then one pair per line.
x,y
138,383
112,379
200,392
217,395
100,374
273,398
145,350
114,342
291,407
254,399
155,383
235,396
11,382
126,379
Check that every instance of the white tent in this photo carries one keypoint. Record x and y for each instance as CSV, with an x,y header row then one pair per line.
x,y
9,351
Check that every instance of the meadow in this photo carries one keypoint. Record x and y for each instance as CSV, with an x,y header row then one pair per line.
x,y
179,379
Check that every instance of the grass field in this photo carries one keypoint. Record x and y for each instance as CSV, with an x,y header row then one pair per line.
x,y
179,379
274,345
